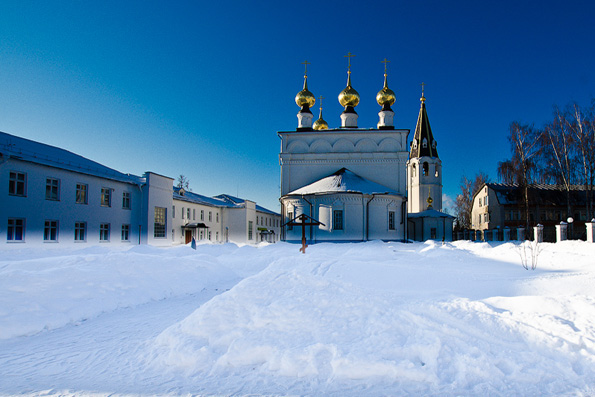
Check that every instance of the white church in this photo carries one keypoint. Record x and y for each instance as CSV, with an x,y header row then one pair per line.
x,y
361,184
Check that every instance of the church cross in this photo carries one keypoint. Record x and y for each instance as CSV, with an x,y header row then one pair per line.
x,y
320,98
349,56
422,88
385,62
305,63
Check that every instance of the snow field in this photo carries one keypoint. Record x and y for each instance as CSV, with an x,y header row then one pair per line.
x,y
345,319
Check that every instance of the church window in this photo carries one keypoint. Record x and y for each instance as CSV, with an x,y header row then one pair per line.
x,y
437,172
426,168
414,144
289,218
424,143
391,220
434,144
414,170
338,219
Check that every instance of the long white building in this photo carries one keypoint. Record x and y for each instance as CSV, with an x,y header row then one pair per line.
x,y
50,195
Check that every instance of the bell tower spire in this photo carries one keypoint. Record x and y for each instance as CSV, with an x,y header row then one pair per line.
x,y
424,168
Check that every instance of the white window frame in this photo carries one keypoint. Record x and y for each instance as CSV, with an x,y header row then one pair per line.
x,y
52,189
14,182
80,231
50,230
104,232
106,197
13,226
82,193
126,200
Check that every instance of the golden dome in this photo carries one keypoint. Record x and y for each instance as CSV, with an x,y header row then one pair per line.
x,y
386,96
305,97
349,96
320,124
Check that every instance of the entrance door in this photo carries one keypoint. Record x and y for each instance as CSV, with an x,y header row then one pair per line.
x,y
188,235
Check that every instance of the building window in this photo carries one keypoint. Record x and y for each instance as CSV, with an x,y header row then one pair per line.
x,y
126,200
485,200
80,231
338,219
173,211
210,216
424,143
188,213
256,220
426,168
125,232
414,172
209,235
104,232
81,193
485,217
250,227
202,215
289,219
17,184
183,213
193,214
50,231
16,229
52,189
391,220
160,220
480,204
217,217
106,197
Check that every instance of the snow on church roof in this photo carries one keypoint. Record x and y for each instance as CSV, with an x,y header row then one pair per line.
x,y
40,153
344,181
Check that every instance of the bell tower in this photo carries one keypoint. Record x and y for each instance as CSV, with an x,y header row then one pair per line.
x,y
424,168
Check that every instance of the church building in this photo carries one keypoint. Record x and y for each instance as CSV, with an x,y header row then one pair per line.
x,y
357,181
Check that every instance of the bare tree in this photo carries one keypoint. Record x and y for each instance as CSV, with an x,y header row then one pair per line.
x,y
464,201
521,168
183,183
582,129
559,152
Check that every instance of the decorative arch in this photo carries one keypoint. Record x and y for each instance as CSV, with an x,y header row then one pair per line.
x,y
366,145
343,146
298,146
320,146
389,145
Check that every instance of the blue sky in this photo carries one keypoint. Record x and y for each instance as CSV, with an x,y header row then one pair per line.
x,y
201,88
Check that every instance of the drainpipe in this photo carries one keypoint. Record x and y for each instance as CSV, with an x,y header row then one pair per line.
x,y
368,216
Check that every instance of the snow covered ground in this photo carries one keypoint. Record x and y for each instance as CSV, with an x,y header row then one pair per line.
x,y
345,319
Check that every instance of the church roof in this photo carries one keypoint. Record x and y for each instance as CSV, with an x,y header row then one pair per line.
x,y
344,181
423,133
40,153
430,213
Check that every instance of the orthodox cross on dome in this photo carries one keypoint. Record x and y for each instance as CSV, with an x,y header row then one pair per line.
x,y
349,56
423,98
320,98
385,62
305,63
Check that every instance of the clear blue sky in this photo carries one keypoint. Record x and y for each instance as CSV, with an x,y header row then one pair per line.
x,y
201,88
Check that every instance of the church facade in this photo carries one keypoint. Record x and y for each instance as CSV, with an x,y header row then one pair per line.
x,y
356,181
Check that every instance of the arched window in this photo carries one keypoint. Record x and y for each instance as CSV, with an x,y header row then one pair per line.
x,y
426,168
437,173
425,143
414,170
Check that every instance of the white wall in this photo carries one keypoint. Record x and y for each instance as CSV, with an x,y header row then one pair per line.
x,y
35,209
158,192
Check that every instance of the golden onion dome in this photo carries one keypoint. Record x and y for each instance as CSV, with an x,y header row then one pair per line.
x,y
349,96
320,124
305,97
386,96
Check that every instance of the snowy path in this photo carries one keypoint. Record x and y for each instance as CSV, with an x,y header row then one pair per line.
x,y
99,355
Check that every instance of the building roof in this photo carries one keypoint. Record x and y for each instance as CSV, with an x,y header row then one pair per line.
x,y
343,181
423,131
539,194
221,201
430,213
39,153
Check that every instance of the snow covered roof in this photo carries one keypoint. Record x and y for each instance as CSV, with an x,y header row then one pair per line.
x,y
344,181
430,213
223,200
26,150
539,194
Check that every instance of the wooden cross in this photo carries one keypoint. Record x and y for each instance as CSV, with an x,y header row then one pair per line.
x,y
349,56
303,218
385,62
305,63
